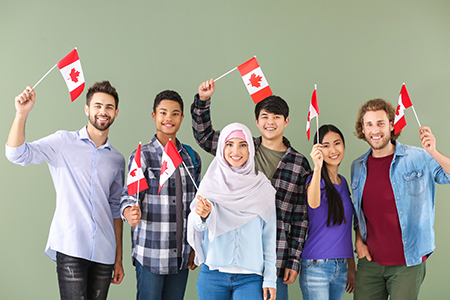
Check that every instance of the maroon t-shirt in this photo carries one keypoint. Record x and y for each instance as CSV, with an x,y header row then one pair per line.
x,y
384,237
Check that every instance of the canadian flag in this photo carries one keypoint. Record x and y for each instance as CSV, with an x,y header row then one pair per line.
x,y
313,112
170,160
403,103
70,67
254,80
136,181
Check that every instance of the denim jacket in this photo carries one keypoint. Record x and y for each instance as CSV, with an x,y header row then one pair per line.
x,y
413,175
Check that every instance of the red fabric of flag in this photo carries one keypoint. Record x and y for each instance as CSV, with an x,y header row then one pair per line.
x,y
170,160
136,181
70,67
313,112
254,80
403,103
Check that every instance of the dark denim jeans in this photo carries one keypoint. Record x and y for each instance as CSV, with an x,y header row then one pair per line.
x,y
81,279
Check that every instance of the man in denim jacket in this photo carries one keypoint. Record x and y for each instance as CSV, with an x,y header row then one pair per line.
x,y
394,222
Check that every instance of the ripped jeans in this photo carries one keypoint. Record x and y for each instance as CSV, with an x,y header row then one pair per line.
x,y
81,279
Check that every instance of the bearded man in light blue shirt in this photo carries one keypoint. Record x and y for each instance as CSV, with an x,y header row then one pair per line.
x,y
85,236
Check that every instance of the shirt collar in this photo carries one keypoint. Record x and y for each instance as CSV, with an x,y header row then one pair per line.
x,y
157,145
83,134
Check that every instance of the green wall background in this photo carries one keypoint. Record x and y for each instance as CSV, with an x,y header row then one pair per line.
x,y
354,50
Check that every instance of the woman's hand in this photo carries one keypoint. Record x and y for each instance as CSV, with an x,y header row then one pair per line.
x,y
317,156
203,207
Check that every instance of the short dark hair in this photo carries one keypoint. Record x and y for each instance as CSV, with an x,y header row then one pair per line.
x,y
374,105
168,95
272,104
102,87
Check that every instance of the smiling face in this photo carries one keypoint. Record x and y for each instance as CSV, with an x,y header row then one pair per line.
x,y
101,111
333,148
168,117
271,125
377,130
236,152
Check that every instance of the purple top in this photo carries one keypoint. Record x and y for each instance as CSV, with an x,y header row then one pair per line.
x,y
335,241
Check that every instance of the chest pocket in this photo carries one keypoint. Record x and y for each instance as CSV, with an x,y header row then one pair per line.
x,y
415,183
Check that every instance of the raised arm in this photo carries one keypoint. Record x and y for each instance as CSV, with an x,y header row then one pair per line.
x,y
429,144
24,103
313,190
204,133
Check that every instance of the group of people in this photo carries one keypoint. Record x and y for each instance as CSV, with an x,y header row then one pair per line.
x,y
261,217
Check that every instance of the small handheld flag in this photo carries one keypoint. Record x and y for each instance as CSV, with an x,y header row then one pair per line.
x,y
70,67
313,112
404,102
72,73
254,80
136,181
170,160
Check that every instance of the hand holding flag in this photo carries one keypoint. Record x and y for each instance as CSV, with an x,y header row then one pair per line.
x,y
313,112
70,67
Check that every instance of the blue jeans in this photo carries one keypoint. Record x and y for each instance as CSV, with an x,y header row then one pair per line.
x,y
282,289
82,279
215,285
157,287
323,278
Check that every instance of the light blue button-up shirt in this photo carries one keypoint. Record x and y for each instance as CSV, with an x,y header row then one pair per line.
x,y
251,247
413,175
88,183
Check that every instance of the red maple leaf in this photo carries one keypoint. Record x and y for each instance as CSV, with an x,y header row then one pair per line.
x,y
255,80
133,173
164,167
74,75
398,110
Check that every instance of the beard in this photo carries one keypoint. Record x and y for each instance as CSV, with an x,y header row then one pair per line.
x,y
384,142
100,126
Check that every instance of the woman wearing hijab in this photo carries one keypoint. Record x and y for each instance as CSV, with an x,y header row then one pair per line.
x,y
232,224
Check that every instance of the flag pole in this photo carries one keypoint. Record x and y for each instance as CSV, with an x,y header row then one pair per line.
x,y
225,74
43,77
139,180
193,181
416,115
317,117
229,72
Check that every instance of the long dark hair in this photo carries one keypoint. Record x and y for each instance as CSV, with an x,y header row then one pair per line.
x,y
335,207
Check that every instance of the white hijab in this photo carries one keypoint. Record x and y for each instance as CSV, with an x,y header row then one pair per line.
x,y
238,195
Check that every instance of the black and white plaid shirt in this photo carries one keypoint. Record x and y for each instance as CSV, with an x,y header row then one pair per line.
x,y
154,239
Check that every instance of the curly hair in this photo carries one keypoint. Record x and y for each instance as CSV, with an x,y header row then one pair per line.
x,y
374,105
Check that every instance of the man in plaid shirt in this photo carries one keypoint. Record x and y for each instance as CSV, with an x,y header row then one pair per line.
x,y
285,167
160,251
